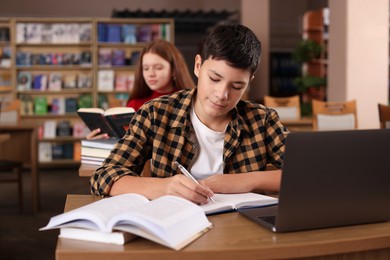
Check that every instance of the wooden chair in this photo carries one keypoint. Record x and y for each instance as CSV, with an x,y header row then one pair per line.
x,y
334,115
384,116
10,114
288,108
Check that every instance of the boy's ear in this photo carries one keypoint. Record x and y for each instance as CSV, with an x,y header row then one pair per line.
x,y
198,63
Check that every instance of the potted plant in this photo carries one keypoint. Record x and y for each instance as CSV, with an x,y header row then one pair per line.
x,y
309,86
306,51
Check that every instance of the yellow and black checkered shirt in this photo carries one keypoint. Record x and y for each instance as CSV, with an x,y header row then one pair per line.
x,y
161,130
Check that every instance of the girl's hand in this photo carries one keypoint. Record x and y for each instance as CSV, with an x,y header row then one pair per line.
x,y
95,135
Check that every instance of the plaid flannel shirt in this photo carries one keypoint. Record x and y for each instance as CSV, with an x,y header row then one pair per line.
x,y
161,130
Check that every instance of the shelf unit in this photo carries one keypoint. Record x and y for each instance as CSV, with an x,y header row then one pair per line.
x,y
59,60
6,53
283,70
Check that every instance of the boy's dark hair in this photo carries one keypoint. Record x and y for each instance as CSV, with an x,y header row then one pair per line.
x,y
236,44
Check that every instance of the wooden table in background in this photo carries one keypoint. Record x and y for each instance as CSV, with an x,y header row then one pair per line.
x,y
4,137
22,146
235,237
302,124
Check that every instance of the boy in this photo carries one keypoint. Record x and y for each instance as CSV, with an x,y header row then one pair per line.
x,y
224,142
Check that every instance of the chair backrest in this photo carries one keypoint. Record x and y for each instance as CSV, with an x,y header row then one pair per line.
x,y
10,112
384,115
334,115
288,108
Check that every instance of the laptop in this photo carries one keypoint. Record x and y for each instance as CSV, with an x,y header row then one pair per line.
x,y
330,179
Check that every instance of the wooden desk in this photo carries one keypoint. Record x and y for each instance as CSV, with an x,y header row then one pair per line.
x,y
87,170
235,237
22,146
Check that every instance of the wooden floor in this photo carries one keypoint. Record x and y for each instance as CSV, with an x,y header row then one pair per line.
x,y
19,235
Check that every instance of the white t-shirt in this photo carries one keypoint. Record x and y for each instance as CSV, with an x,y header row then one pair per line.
x,y
210,159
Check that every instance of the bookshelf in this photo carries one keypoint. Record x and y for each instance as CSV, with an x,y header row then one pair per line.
x,y
283,71
6,52
56,67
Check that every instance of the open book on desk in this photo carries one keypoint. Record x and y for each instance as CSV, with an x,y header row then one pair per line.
x,y
113,121
230,202
169,220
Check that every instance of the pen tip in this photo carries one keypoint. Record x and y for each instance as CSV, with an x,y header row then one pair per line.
x,y
176,163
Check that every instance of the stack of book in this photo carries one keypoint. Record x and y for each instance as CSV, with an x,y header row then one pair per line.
x,y
94,152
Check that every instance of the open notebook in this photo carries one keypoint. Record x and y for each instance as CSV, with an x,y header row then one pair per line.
x,y
331,178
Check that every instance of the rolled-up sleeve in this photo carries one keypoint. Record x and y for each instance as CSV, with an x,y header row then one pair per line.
x,y
127,158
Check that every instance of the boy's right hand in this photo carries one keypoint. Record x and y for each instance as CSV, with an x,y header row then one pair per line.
x,y
94,134
182,186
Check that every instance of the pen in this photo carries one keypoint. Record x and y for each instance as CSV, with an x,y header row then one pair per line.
x,y
188,174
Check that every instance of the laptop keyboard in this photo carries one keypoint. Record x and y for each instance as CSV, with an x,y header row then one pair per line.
x,y
269,219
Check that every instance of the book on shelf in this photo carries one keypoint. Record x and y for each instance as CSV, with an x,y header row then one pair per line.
x,y
102,32
144,33
114,33
64,128
24,80
79,130
129,33
113,121
57,151
84,80
44,152
46,33
57,106
71,105
156,31
85,32
121,82
67,151
168,220
21,31
23,58
118,57
70,80
40,105
56,58
106,80
33,34
72,33
105,57
86,58
55,81
49,129
40,82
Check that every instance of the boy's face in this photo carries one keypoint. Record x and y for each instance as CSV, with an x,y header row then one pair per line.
x,y
220,88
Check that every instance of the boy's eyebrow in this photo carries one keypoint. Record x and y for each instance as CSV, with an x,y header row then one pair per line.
x,y
219,75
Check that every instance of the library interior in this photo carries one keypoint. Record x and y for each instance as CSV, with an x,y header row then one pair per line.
x,y
324,68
